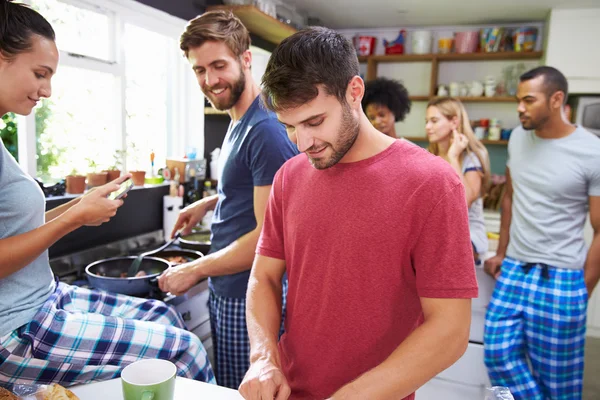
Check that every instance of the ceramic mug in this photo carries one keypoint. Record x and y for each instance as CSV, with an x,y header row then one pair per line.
x,y
149,379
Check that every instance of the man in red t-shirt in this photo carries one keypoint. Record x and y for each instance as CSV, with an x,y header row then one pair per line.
x,y
373,233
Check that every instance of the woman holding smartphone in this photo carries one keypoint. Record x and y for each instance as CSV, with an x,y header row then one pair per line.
x,y
51,332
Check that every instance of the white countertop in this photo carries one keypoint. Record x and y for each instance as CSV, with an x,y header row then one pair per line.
x,y
185,389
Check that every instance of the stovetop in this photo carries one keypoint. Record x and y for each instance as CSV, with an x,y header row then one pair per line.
x,y
70,269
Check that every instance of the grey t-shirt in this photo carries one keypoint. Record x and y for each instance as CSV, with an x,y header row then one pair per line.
x,y
476,220
552,181
22,206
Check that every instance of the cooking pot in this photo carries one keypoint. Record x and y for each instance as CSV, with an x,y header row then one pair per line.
x,y
170,255
111,275
197,240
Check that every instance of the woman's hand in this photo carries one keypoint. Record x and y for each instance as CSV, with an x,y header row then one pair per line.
x,y
459,144
95,208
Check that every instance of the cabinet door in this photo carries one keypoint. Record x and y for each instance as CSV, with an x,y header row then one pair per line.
x,y
571,43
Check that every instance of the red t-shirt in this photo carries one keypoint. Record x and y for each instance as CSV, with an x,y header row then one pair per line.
x,y
363,242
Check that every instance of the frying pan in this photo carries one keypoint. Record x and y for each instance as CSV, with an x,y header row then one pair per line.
x,y
107,275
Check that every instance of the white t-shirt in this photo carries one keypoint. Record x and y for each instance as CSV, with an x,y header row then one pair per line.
x,y
552,181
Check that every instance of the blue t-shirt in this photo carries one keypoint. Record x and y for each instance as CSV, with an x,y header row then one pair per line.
x,y
254,149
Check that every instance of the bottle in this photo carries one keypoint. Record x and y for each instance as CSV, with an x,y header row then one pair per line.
x,y
494,131
174,185
207,189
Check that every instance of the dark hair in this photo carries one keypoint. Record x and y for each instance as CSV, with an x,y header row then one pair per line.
x,y
554,80
310,57
220,26
389,93
18,23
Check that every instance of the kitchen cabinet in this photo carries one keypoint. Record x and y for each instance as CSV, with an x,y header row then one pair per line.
x,y
570,47
259,23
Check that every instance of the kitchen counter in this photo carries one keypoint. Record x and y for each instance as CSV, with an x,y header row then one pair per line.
x,y
184,389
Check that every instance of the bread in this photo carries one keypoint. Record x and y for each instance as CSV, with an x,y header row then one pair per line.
x,y
6,395
57,392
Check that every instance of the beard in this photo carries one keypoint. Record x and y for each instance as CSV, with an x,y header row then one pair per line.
x,y
236,89
531,124
347,135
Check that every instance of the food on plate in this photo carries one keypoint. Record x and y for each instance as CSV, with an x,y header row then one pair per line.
x,y
56,392
38,392
6,395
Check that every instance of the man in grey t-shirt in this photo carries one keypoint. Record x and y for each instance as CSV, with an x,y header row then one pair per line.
x,y
537,315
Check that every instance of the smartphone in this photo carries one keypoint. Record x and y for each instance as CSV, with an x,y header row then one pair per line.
x,y
122,190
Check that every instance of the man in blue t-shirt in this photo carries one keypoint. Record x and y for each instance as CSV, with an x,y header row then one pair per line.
x,y
256,145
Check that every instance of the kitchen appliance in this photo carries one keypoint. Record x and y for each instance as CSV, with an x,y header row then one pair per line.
x,y
587,113
192,173
188,169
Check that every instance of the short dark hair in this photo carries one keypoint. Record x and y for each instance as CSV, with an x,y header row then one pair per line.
x,y
18,23
554,80
390,93
310,57
221,26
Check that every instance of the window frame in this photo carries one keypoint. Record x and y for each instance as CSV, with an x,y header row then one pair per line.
x,y
185,113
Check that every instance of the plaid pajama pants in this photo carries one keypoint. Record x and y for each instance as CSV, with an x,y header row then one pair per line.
x,y
535,331
80,336
230,337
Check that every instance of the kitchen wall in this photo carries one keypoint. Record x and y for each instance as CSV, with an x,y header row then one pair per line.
x,y
416,78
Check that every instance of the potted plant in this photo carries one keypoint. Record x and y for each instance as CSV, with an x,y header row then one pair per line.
x,y
75,182
114,171
137,174
95,178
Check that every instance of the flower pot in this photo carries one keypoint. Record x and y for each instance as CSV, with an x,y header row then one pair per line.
x,y
138,177
75,184
112,174
96,179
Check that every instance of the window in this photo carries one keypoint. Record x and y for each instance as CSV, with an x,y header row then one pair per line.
x,y
82,31
122,87
147,94
8,133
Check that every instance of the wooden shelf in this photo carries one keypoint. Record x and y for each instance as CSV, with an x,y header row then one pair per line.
x,y
495,56
259,23
500,55
419,98
493,99
214,111
402,58
484,141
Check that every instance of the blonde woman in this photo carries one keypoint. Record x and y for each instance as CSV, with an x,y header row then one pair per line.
x,y
451,137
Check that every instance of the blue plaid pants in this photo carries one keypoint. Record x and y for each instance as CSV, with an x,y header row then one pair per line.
x,y
231,344
80,336
535,331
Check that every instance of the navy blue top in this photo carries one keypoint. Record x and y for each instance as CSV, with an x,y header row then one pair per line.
x,y
255,147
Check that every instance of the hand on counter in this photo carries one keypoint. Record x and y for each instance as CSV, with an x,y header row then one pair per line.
x,y
264,380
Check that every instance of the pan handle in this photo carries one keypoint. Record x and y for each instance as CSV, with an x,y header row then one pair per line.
x,y
154,282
